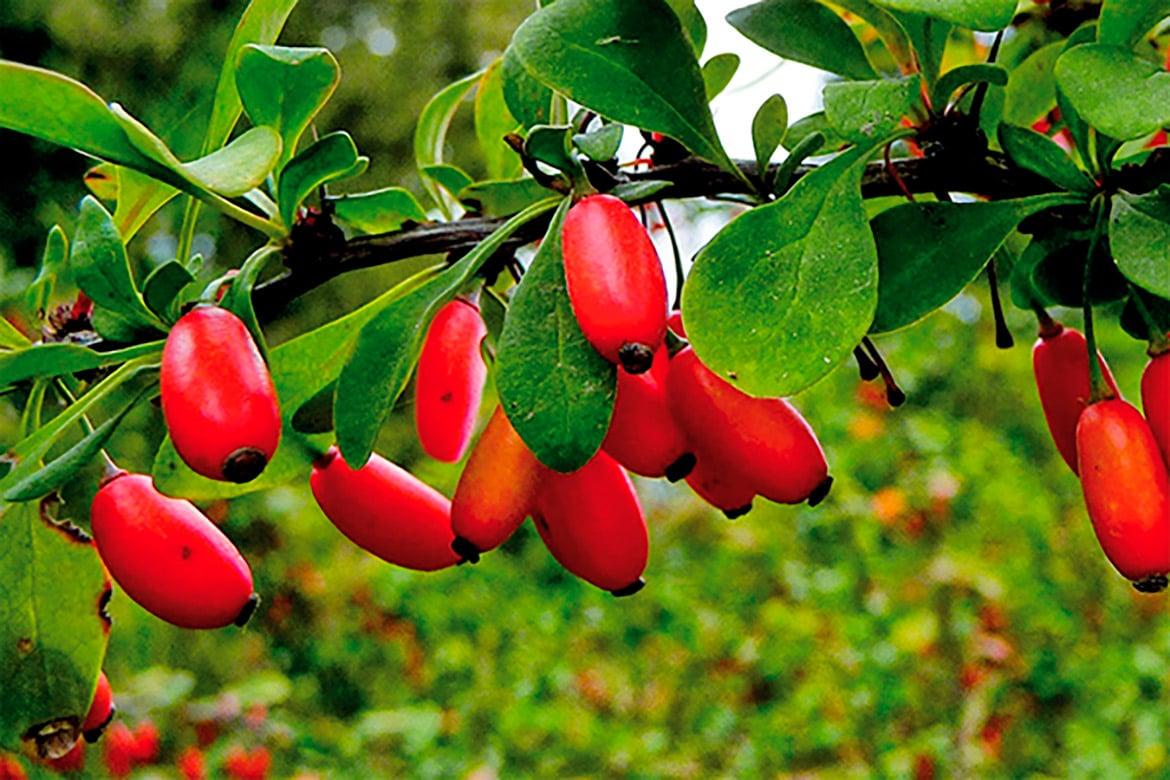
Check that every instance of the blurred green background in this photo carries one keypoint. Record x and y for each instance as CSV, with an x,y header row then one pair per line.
x,y
947,613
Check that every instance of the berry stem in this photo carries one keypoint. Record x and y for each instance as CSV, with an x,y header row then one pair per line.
x,y
678,267
865,366
981,90
894,394
1003,334
1099,389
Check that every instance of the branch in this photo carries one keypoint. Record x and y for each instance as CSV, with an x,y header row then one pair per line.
x,y
991,176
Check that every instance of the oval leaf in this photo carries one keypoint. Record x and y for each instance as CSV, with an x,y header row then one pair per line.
x,y
1139,235
329,159
1114,90
557,391
787,290
982,15
804,31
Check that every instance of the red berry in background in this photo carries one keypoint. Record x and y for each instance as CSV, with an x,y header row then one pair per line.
x,y
450,380
764,441
1127,491
721,487
11,768
643,435
218,399
1060,361
168,557
243,765
386,511
674,323
73,761
496,490
615,281
191,764
592,524
101,710
1156,401
146,743
120,745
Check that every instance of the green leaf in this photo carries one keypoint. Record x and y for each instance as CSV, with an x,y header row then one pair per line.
x,y
52,633
1139,235
1124,22
528,100
639,191
1031,89
866,111
27,454
718,72
982,15
787,290
804,31
238,298
502,198
632,65
768,129
805,127
284,88
431,132
557,391
1041,155
101,268
928,37
553,146
10,337
451,178
40,292
602,144
233,170
493,121
139,197
928,252
387,346
66,465
692,21
163,285
1115,91
57,359
953,79
380,211
331,158
55,108
102,181
260,23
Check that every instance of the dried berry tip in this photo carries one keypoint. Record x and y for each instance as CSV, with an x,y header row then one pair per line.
x,y
249,609
94,734
865,367
630,589
636,358
733,514
1155,583
820,492
244,465
895,396
681,467
467,551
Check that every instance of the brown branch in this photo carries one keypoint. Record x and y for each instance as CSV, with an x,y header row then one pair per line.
x,y
991,176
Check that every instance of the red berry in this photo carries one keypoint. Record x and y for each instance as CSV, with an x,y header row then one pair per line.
x,y
168,557
1060,361
721,487
496,490
1127,491
191,764
643,435
73,761
592,524
101,710
675,324
248,766
217,396
11,769
1156,401
146,743
450,380
764,441
386,511
615,281
119,753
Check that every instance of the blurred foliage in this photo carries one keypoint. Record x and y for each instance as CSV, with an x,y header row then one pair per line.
x,y
946,613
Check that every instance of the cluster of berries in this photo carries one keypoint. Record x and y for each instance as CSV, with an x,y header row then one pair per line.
x,y
1121,457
